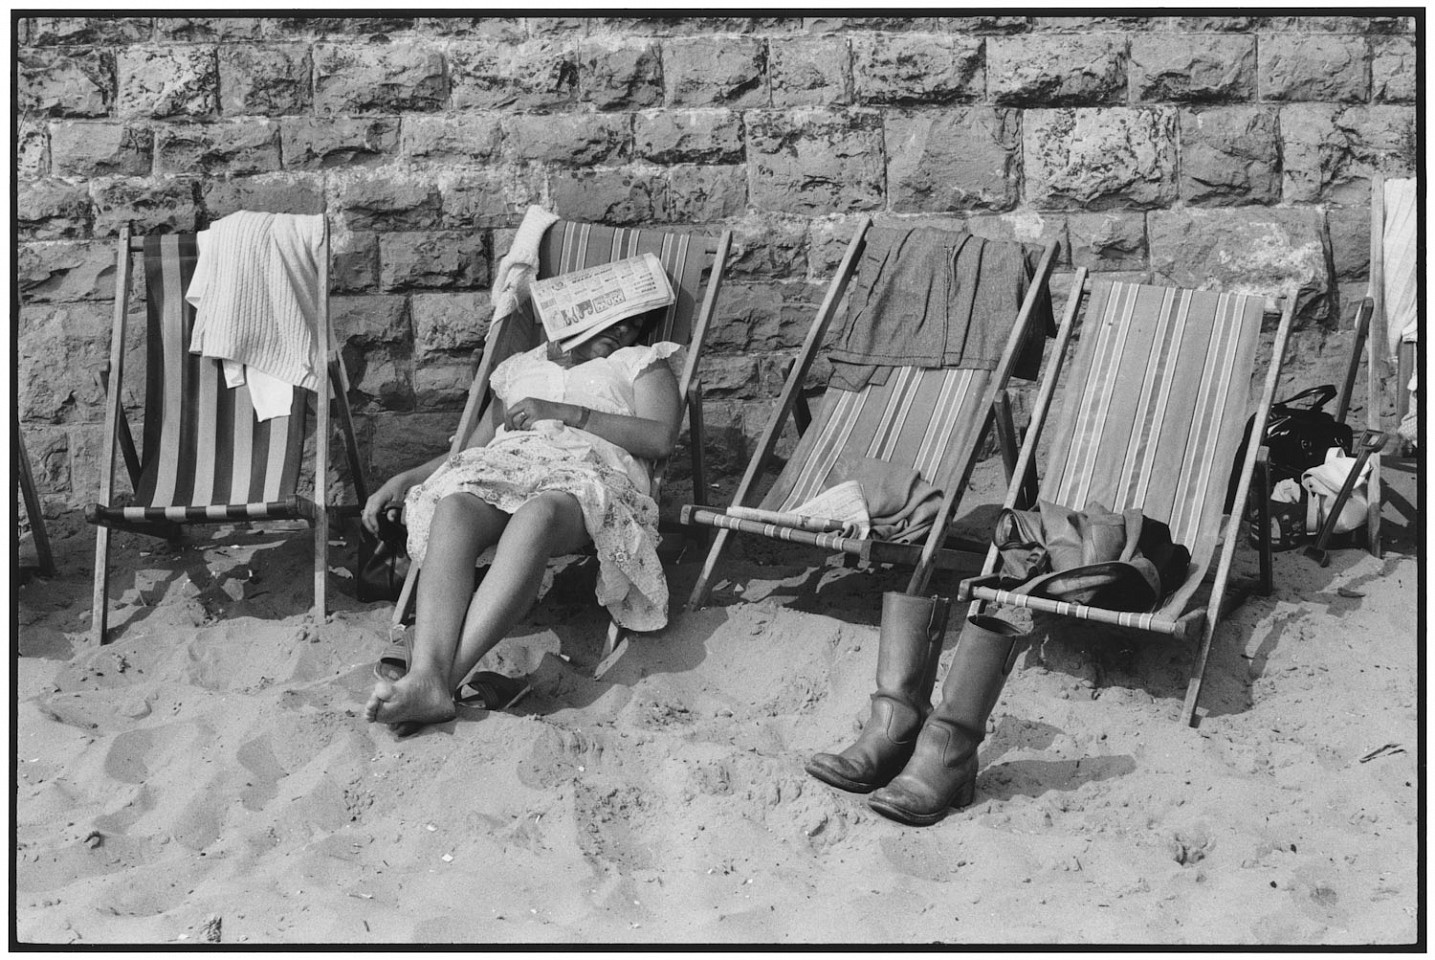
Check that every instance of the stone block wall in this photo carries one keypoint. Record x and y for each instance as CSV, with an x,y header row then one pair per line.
x,y
1233,152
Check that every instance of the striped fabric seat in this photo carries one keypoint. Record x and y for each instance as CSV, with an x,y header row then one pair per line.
x,y
206,456
922,418
1156,407
1159,397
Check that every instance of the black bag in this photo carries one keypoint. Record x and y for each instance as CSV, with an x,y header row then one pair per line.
x,y
383,561
1297,437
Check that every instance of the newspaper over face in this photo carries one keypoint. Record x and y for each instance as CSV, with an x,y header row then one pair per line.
x,y
575,307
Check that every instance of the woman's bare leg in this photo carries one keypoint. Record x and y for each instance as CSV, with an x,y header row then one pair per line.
x,y
549,525
463,527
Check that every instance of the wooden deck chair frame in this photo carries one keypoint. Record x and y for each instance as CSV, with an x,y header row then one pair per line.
x,y
1196,620
167,520
44,559
713,252
924,557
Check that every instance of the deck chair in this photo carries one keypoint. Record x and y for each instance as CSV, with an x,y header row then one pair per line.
x,y
932,420
695,265
1153,417
1392,300
206,457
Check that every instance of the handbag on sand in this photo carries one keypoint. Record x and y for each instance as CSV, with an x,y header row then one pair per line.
x,y
383,561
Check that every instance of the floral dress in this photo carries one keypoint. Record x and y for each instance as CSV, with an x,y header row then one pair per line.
x,y
610,484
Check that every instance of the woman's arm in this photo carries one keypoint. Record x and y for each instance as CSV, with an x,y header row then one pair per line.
x,y
650,433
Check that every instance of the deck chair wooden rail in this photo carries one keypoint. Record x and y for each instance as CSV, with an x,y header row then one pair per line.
x,y
569,245
1180,617
206,458
933,552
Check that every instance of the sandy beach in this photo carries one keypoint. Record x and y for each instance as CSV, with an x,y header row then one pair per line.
x,y
208,776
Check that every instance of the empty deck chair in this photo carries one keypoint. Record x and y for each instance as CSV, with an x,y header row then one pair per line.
x,y
695,266
929,419
206,457
1154,413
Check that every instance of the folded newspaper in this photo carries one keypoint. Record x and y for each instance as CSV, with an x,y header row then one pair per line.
x,y
839,509
575,307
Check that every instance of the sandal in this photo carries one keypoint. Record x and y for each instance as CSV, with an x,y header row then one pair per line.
x,y
487,690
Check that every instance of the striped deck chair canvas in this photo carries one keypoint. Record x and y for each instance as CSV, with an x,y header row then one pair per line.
x,y
1154,415
930,419
695,266
205,456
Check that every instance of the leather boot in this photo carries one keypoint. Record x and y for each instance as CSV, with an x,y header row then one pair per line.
x,y
908,647
942,772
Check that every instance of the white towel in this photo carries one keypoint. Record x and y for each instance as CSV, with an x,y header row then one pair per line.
x,y
1399,263
518,267
256,294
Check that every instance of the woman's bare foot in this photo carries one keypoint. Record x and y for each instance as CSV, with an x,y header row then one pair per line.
x,y
412,699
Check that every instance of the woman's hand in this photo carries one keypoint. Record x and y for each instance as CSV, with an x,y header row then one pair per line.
x,y
523,414
388,498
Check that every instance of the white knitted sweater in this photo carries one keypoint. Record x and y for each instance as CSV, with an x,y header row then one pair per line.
x,y
256,294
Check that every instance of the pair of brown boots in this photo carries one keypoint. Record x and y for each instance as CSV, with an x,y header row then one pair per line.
x,y
920,760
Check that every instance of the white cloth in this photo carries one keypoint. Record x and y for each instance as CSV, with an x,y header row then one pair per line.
x,y
270,396
1399,264
519,266
1324,483
256,295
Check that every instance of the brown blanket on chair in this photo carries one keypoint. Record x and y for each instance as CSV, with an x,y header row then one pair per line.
x,y
901,504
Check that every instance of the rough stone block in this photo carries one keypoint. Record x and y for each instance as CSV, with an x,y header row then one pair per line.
x,y
32,150
710,72
1392,70
394,78
982,24
1193,68
487,198
470,138
1214,24
813,72
1057,69
760,317
86,448
706,194
382,378
537,75
1076,25
1230,155
59,272
168,82
87,31
65,83
506,29
828,240
387,201
1330,153
1253,250
448,322
443,385
1311,24
726,377
965,158
319,143
376,28
1022,226
1320,67
875,24
620,74
266,193
52,210
267,80
446,259
815,162
101,149
209,29
60,349
1100,158
151,206
238,149
618,197
364,321
576,139
907,69
1349,231
1107,241
49,451
766,248
354,261
688,136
